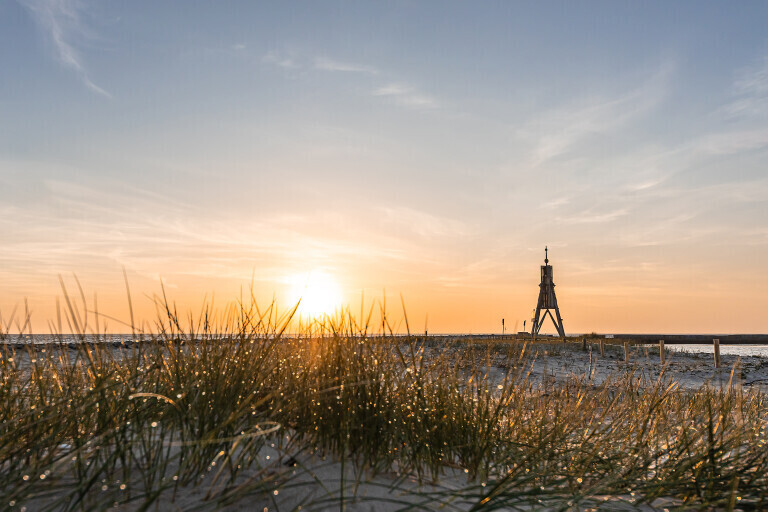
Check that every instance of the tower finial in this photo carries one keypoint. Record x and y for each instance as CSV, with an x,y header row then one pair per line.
x,y
546,259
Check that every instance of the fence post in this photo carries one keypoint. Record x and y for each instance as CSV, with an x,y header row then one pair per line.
x,y
626,351
717,352
602,348
584,344
662,353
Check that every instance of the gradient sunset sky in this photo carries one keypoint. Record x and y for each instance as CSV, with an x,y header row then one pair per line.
x,y
429,149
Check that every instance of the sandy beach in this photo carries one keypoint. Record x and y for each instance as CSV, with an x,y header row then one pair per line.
x,y
286,473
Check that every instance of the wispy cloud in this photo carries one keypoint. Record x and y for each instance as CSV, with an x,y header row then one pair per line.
x,y
62,22
294,60
425,224
104,225
407,96
750,91
326,64
556,132
592,217
483,271
753,80
556,203
399,93
730,143
645,185
281,60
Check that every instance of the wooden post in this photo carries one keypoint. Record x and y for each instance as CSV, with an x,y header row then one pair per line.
x,y
662,352
717,352
584,344
626,351
602,348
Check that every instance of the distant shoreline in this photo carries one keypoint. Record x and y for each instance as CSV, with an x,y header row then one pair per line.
x,y
670,339
690,339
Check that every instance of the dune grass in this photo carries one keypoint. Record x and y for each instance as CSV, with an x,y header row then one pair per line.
x,y
197,405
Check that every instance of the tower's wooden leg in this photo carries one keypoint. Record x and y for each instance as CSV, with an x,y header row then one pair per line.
x,y
559,322
535,324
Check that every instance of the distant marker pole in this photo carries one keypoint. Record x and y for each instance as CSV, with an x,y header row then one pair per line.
x,y
717,352
662,353
626,351
584,344
602,348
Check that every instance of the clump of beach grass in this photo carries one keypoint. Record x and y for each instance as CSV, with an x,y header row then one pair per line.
x,y
196,403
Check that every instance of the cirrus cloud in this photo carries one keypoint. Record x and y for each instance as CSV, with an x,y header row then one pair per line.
x,y
62,23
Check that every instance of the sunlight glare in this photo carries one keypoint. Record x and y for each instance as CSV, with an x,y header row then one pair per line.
x,y
319,292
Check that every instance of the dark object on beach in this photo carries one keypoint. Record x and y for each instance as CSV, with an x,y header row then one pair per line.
x,y
547,301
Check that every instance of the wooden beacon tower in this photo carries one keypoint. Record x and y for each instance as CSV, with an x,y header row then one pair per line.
x,y
547,301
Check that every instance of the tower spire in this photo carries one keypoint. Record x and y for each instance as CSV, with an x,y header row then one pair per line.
x,y
546,258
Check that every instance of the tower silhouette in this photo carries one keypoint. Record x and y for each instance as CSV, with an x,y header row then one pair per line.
x,y
547,301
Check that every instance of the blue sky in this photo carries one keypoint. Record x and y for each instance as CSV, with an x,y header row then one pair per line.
x,y
428,148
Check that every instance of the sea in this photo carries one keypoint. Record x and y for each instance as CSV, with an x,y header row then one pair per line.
x,y
726,350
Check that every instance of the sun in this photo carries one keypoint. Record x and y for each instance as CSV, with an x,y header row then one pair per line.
x,y
319,292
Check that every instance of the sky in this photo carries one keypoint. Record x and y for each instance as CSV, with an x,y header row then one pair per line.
x,y
423,150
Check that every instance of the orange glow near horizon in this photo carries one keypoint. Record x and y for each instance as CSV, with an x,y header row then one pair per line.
x,y
607,300
317,293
